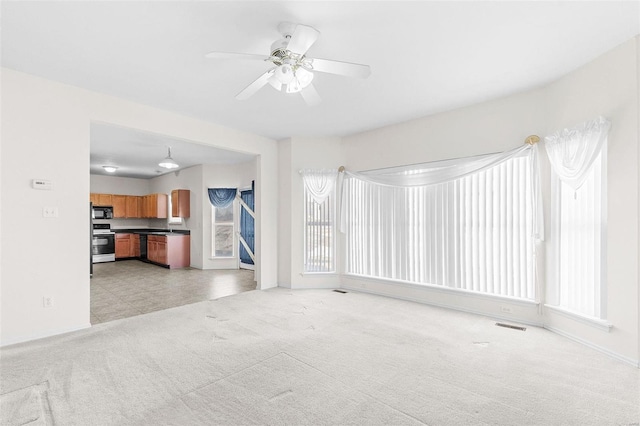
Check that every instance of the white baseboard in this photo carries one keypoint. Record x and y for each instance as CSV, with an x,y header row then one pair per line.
x,y
626,360
615,355
446,306
44,335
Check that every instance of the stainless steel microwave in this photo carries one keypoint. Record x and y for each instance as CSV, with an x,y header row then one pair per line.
x,y
102,212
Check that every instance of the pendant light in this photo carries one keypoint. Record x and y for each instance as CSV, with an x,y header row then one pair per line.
x,y
168,162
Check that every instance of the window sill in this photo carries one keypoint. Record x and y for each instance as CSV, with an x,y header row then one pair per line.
x,y
598,323
447,290
323,274
221,257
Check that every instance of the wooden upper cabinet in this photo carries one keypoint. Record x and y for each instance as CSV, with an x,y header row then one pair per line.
x,y
133,206
101,199
180,203
119,206
155,206
105,200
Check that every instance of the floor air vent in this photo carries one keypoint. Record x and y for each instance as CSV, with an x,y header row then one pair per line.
x,y
515,327
339,291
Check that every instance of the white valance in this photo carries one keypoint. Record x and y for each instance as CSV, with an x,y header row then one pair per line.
x,y
319,182
438,172
573,151
450,170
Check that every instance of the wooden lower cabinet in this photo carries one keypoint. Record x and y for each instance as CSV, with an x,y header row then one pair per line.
x,y
173,251
134,250
127,245
123,246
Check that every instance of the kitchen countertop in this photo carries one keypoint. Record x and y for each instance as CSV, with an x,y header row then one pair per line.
x,y
154,231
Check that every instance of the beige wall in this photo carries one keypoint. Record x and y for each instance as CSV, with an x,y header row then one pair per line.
x,y
295,154
45,124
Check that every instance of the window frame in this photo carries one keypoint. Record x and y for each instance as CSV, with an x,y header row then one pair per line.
x,y
306,199
233,225
554,264
457,276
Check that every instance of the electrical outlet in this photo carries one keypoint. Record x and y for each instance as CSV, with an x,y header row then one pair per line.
x,y
49,212
47,302
506,309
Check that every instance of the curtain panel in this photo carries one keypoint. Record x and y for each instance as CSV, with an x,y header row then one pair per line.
x,y
573,151
222,197
319,183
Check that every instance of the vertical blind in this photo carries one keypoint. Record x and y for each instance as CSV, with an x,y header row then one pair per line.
x,y
319,233
474,233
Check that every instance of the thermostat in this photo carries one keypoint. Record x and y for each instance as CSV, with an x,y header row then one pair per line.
x,y
42,184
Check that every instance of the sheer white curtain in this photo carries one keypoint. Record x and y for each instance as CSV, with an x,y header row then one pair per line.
x,y
319,183
469,224
319,216
573,151
578,214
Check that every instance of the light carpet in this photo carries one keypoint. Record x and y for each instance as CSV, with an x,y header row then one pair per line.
x,y
313,357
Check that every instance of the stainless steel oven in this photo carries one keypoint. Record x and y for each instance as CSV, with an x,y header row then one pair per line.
x,y
103,243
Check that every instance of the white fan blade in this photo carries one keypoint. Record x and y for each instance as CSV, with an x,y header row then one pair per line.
x,y
340,68
302,39
229,55
310,95
275,83
255,86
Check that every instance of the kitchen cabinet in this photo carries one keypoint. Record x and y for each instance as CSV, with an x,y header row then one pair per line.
x,y
123,246
119,206
101,199
127,245
173,251
154,206
134,249
180,203
133,206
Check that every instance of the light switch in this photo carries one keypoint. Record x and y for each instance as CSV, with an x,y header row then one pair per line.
x,y
49,212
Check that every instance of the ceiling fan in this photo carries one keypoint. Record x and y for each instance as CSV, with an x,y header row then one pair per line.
x,y
293,70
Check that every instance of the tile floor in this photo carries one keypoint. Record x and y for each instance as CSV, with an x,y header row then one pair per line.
x,y
128,288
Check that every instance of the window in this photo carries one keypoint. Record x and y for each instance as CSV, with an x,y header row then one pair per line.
x,y
222,226
578,226
319,234
474,233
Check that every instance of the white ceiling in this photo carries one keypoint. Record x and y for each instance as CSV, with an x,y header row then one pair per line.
x,y
425,57
137,153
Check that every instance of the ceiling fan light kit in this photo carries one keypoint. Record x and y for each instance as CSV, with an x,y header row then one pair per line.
x,y
293,69
168,162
